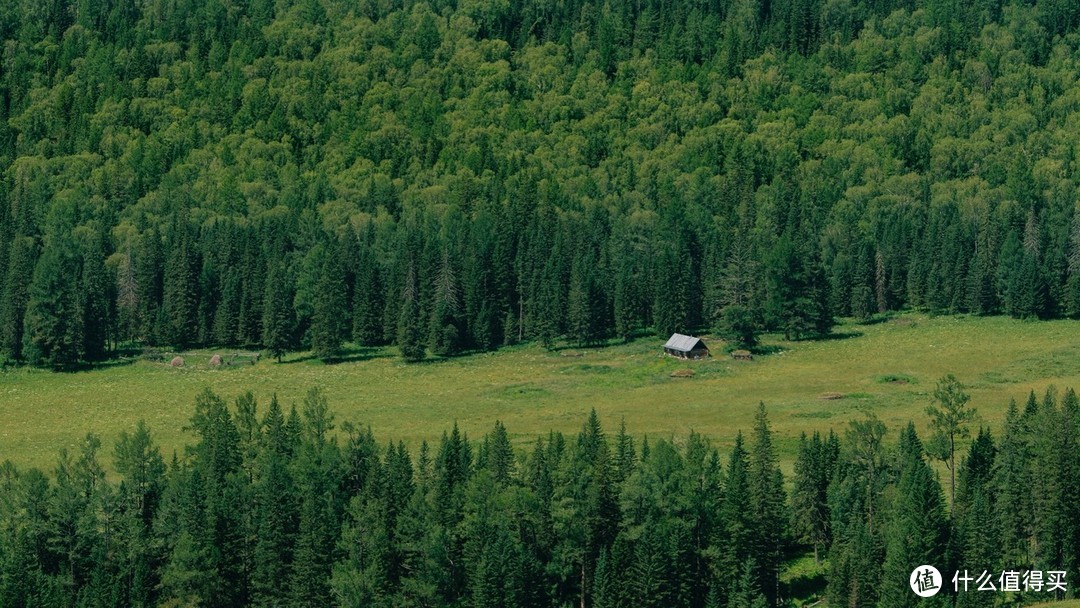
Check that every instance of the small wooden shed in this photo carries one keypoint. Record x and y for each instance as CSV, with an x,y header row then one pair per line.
x,y
686,347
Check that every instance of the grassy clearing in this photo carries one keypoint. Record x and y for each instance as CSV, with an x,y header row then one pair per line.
x,y
889,368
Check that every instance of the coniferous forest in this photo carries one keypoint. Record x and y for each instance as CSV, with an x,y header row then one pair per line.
x,y
458,175
270,507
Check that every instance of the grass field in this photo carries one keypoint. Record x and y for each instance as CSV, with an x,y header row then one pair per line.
x,y
889,368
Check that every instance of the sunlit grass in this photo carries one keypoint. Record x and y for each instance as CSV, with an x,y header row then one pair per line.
x,y
887,368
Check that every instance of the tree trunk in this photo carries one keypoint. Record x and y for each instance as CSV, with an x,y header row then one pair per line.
x,y
582,583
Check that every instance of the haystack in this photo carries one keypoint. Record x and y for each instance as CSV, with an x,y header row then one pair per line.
x,y
177,361
215,361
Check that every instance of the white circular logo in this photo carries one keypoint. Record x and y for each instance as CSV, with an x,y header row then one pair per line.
x,y
926,581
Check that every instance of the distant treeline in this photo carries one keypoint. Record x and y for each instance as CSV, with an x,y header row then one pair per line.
x,y
461,175
280,508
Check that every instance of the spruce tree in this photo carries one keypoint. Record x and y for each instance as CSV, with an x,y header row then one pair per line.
x,y
736,540
179,297
329,317
815,466
767,507
15,294
974,515
917,529
367,297
409,336
95,301
445,323
53,327
317,471
277,311
276,511
1012,472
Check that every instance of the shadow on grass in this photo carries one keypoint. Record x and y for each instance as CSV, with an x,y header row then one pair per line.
x,y
88,366
347,355
765,349
837,336
876,319
809,586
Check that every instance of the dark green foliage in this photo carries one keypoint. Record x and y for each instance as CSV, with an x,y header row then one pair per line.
x,y
409,333
52,333
179,287
277,311
330,319
368,297
562,174
20,269
768,509
274,511
917,529
96,300
738,326
815,467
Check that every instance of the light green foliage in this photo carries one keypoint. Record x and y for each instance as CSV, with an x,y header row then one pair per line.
x,y
949,421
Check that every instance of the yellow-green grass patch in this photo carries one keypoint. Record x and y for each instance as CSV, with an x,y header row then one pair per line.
x,y
887,368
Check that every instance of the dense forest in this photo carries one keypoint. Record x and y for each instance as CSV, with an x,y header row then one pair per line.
x,y
282,509
459,175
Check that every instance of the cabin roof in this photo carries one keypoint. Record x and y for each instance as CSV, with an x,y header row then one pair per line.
x,y
683,343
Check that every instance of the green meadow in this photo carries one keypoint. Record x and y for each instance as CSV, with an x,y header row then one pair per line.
x,y
888,368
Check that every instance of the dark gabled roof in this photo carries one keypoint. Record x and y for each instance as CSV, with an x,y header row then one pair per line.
x,y
683,344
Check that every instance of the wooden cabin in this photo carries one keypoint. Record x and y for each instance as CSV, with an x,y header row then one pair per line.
x,y
686,347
